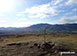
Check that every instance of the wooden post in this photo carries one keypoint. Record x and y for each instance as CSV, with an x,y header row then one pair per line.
x,y
45,33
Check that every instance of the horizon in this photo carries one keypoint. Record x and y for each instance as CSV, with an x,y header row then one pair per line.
x,y
24,13
38,24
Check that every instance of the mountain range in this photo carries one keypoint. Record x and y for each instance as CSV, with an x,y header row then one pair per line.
x,y
40,29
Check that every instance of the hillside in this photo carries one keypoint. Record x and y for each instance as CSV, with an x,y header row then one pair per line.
x,y
40,29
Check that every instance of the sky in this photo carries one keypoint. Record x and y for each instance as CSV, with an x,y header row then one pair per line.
x,y
23,13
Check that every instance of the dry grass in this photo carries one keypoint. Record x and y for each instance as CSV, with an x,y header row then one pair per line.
x,y
68,39
57,38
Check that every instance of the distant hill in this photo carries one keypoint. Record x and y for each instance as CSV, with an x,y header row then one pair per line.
x,y
40,29
58,28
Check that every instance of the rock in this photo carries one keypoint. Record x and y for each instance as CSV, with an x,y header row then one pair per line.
x,y
46,46
35,44
25,43
39,46
43,53
11,44
31,46
62,47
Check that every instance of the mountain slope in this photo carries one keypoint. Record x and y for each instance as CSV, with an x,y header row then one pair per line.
x,y
40,29
60,28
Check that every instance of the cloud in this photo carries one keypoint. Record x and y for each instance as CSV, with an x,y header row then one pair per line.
x,y
71,2
3,22
3,18
56,2
53,8
71,12
63,3
2,15
40,11
75,10
23,24
46,10
72,19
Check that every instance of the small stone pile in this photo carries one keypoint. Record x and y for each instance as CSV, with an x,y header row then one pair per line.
x,y
40,49
51,48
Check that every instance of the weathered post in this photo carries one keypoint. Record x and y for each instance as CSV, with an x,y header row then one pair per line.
x,y
44,32
44,35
